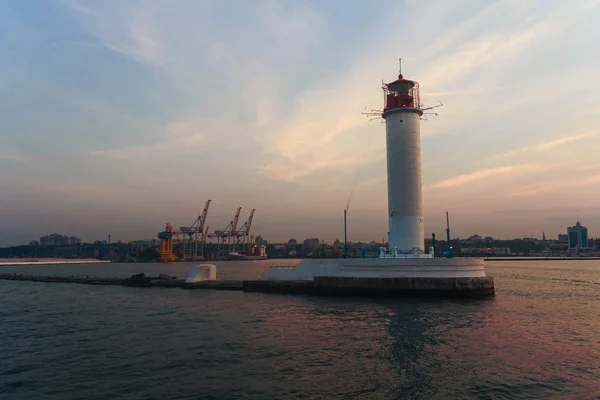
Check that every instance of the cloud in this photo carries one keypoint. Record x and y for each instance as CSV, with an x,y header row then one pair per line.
x,y
473,177
548,145
245,83
129,31
12,156
325,127
178,138
558,185
478,46
565,140
320,133
25,161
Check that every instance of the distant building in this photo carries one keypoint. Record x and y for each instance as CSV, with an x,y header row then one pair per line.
x,y
475,238
292,243
34,243
311,244
54,240
501,251
497,251
558,248
578,237
145,243
259,240
563,238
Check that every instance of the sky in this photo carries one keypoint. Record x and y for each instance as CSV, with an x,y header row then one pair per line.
x,y
118,116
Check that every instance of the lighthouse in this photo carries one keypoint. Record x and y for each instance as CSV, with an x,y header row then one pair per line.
x,y
402,114
405,268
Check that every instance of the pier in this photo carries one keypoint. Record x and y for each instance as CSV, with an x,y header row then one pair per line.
x,y
319,286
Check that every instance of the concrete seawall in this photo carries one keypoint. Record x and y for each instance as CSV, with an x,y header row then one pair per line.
x,y
15,262
319,286
152,282
394,287
379,287
282,287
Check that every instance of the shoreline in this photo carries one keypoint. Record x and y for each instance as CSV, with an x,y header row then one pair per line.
x,y
536,258
7,262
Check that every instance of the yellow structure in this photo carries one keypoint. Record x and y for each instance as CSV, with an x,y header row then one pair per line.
x,y
166,244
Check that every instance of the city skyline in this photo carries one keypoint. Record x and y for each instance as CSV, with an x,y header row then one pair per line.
x,y
258,237
117,117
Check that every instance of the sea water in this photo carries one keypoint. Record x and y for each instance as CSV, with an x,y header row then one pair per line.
x,y
539,337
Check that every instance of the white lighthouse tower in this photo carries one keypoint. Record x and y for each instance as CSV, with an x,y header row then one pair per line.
x,y
402,114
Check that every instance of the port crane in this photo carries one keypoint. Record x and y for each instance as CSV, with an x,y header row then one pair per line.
x,y
195,235
190,236
204,236
228,234
244,233
197,229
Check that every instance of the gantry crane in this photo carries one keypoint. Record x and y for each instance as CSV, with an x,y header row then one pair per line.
x,y
190,235
229,233
234,232
204,236
198,227
244,232
194,232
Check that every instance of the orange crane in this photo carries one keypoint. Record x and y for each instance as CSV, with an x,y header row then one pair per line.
x,y
166,244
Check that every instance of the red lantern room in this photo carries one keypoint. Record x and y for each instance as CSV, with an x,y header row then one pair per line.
x,y
402,93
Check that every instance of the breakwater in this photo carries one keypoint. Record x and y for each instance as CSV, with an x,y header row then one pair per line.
x,y
13,262
135,282
320,286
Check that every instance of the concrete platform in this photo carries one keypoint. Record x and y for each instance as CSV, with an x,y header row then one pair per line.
x,y
380,268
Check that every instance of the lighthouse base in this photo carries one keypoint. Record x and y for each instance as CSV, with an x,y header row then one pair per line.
x,y
463,277
380,268
395,253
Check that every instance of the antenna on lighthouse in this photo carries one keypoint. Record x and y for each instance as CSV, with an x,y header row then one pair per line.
x,y
400,66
